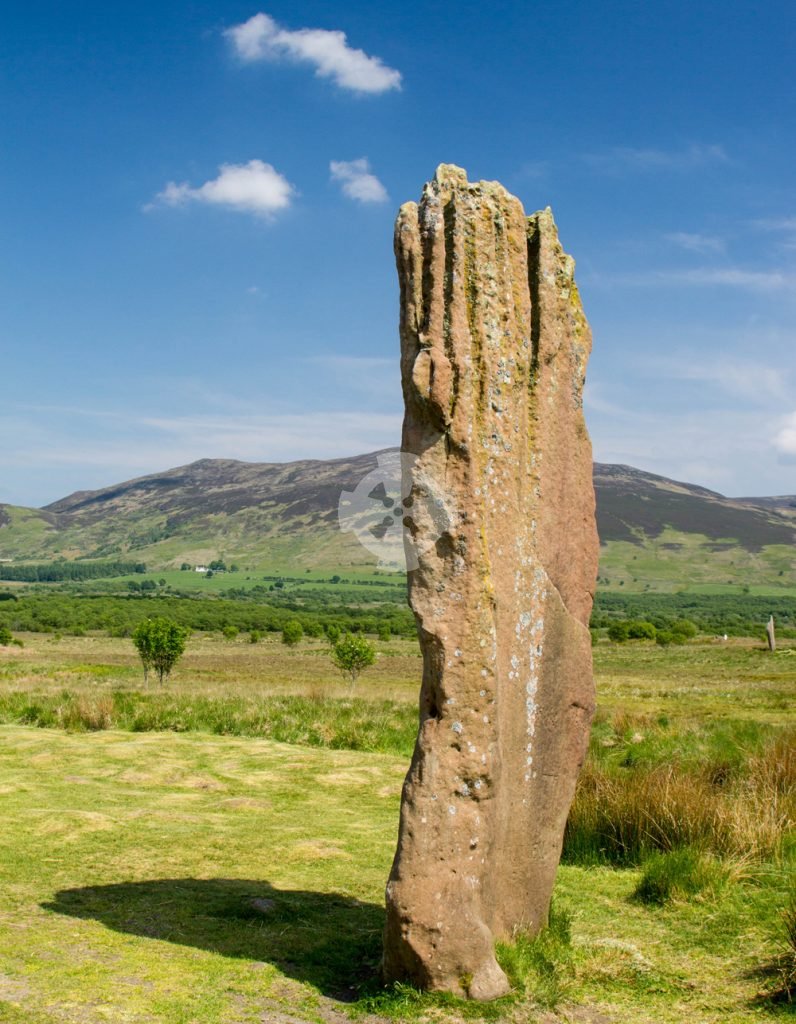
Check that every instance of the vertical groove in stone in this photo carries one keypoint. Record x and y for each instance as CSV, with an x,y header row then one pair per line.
x,y
494,347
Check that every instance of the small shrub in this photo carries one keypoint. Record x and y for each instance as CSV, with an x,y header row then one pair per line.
x,y
5,636
640,630
618,632
684,628
255,636
292,633
351,654
229,632
679,875
160,644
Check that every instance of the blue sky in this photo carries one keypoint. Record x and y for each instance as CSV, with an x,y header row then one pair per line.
x,y
196,207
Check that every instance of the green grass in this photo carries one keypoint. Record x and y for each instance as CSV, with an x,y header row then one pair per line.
x,y
132,862
678,561
680,874
333,723
208,874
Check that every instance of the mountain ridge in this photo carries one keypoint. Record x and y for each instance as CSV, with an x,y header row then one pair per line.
x,y
283,514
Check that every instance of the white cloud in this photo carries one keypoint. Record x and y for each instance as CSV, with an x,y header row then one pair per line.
x,y
732,277
623,158
776,224
357,181
785,438
729,450
739,378
379,379
785,226
696,242
255,187
57,457
261,38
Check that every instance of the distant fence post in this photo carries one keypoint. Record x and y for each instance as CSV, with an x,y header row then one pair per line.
x,y
772,640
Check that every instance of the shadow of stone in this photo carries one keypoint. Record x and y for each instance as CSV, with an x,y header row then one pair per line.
x,y
331,941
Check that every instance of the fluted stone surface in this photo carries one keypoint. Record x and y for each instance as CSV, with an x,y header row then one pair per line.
x,y
494,347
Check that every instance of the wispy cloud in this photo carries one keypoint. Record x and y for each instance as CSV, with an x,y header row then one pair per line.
x,y
726,449
255,187
695,242
533,170
357,180
739,378
594,400
262,38
377,378
59,456
783,226
721,277
733,277
620,159
785,439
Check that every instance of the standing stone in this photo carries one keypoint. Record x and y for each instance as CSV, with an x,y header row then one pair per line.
x,y
494,346
771,634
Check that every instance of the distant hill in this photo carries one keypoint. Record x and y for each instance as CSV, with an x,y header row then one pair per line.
x,y
656,533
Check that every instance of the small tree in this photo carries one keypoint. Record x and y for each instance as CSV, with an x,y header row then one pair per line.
x,y
5,636
351,654
160,644
684,628
292,633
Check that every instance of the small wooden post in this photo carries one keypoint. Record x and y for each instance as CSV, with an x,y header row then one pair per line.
x,y
772,640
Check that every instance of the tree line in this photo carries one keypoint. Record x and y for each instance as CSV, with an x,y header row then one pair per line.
x,y
74,614
59,572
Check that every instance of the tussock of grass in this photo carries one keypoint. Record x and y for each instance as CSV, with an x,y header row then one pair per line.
x,y
787,960
542,967
701,790
680,875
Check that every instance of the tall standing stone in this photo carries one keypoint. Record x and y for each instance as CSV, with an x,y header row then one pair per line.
x,y
494,346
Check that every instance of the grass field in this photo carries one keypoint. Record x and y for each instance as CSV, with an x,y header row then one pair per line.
x,y
739,678
190,878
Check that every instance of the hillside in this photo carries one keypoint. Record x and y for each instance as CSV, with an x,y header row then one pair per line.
x,y
656,533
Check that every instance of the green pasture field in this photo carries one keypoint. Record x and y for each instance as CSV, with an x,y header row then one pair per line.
x,y
190,868
706,679
675,561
